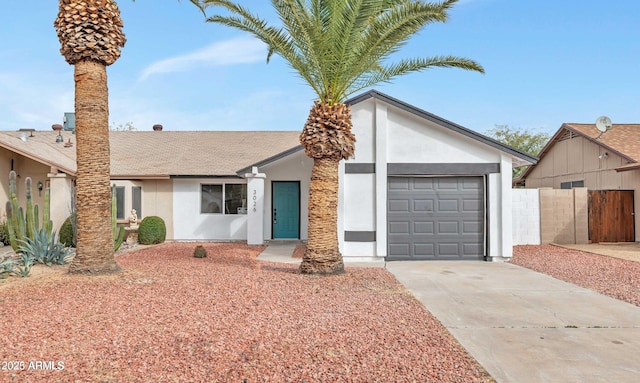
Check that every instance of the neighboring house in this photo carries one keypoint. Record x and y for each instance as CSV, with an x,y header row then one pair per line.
x,y
419,187
607,164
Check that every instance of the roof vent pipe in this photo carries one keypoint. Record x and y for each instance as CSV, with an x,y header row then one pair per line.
x,y
157,128
58,129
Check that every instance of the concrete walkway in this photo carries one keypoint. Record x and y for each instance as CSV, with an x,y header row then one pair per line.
x,y
523,326
279,251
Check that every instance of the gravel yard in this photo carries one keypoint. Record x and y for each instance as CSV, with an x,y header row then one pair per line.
x,y
169,317
615,277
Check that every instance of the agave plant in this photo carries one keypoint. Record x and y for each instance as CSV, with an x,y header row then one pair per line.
x,y
6,266
44,249
22,269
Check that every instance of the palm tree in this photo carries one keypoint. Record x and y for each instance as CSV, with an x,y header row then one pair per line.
x,y
338,47
90,33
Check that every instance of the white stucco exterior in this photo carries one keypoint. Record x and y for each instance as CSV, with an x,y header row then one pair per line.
x,y
191,224
389,134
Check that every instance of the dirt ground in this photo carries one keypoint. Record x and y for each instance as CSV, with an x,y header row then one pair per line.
x,y
624,250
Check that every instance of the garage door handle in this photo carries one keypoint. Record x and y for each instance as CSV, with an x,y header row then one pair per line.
x,y
274,216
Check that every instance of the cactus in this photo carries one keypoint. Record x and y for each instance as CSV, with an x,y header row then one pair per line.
x,y
117,234
47,223
30,217
15,217
23,225
12,228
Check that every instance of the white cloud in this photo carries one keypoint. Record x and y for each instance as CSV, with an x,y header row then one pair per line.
x,y
242,50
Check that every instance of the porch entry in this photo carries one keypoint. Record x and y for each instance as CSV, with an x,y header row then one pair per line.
x,y
285,213
611,216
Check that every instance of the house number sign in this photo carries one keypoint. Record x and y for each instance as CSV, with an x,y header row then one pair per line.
x,y
255,197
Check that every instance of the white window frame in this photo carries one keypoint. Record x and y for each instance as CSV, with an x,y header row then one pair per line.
x,y
224,209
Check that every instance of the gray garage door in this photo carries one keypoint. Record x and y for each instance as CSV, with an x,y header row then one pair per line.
x,y
438,218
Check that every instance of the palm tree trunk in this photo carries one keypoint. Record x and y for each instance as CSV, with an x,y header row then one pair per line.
x,y
94,250
323,255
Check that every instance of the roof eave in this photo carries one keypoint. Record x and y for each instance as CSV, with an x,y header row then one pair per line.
x,y
41,160
628,167
444,123
552,141
598,142
267,161
139,177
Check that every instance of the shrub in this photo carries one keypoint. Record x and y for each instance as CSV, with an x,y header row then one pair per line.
x,y
4,233
66,233
44,248
200,252
152,230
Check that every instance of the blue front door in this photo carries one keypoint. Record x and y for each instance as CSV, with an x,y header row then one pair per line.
x,y
285,214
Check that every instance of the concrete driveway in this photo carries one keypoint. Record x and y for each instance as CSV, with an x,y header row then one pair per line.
x,y
524,326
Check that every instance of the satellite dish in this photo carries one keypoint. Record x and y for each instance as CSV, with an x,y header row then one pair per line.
x,y
603,123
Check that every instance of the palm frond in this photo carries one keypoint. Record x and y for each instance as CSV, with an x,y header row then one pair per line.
x,y
386,74
339,47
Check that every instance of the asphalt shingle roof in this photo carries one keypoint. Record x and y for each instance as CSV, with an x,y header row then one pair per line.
x,y
161,154
621,138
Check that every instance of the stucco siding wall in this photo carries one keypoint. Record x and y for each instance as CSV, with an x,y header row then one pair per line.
x,y
362,196
359,205
191,224
157,200
5,168
61,198
414,140
363,118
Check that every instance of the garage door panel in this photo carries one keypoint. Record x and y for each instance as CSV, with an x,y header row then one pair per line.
x,y
423,205
445,249
450,228
423,250
448,183
420,227
399,227
472,227
472,205
399,250
397,183
423,184
436,218
399,205
471,183
471,249
448,205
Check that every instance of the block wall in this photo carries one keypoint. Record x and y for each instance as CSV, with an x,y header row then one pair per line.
x,y
526,216
543,216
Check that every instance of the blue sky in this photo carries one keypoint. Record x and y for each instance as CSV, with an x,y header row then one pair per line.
x,y
547,62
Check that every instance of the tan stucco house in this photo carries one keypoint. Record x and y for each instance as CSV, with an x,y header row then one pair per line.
x,y
419,186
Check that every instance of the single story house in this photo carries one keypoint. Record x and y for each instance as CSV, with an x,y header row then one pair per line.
x,y
419,186
606,163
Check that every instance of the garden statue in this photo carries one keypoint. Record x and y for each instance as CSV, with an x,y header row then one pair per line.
x,y
133,220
